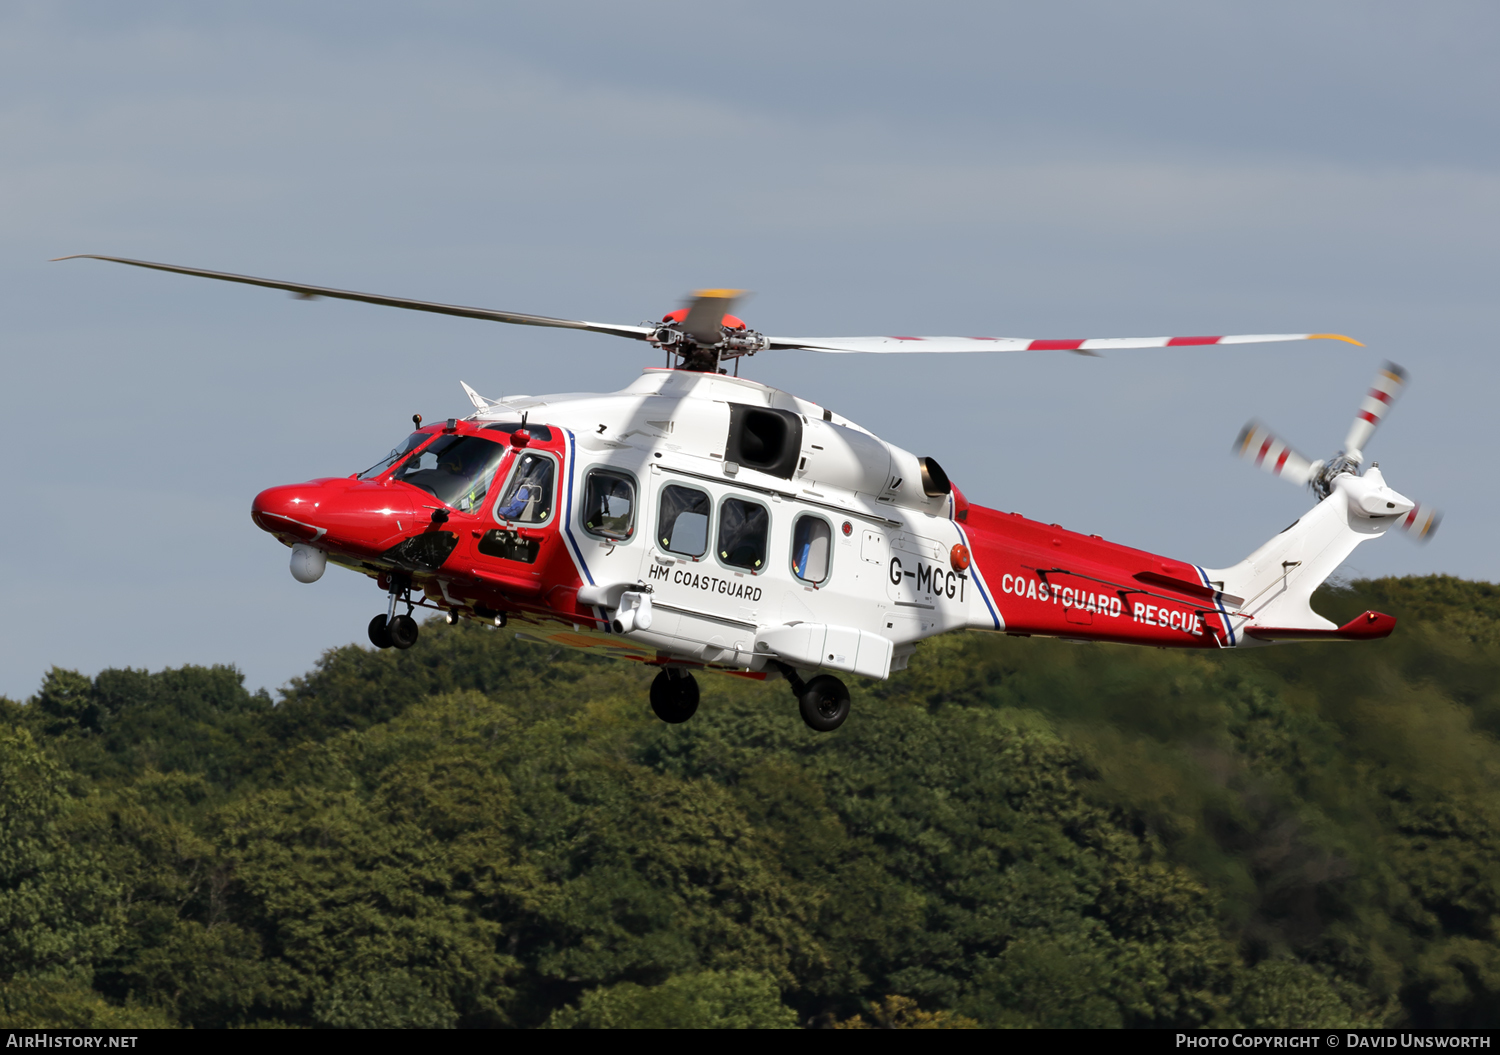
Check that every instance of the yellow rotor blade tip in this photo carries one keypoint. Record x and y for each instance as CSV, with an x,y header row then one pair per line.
x,y
719,294
1334,337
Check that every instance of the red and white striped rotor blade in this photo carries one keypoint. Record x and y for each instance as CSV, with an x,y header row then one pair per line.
x,y
1084,346
1421,523
1260,445
1388,383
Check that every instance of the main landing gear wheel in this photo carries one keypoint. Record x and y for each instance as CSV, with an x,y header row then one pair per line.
x,y
403,631
674,695
380,633
824,702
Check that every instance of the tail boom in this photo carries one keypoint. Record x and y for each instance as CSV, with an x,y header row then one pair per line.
x,y
1046,581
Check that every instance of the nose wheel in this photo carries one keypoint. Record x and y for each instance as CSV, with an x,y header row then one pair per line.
x,y
392,630
400,632
380,632
674,695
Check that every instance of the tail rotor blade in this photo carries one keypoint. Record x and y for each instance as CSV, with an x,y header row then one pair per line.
x,y
706,314
1422,522
1389,382
1260,445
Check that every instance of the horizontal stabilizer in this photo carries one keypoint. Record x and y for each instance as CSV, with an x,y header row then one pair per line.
x,y
1366,627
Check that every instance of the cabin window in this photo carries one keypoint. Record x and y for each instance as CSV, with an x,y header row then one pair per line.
x,y
744,528
682,527
812,544
528,494
609,504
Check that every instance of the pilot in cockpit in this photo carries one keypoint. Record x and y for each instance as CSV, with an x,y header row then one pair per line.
x,y
529,499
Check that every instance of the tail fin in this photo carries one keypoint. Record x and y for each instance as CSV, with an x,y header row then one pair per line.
x,y
1273,587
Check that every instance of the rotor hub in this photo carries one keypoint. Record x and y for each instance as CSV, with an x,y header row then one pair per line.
x,y
697,354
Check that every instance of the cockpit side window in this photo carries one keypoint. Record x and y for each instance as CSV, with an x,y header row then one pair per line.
x,y
415,440
528,495
682,527
609,504
456,470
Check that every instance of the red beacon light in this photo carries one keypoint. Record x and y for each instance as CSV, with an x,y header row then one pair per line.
x,y
520,438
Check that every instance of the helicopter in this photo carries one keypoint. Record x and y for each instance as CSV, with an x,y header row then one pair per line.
x,y
699,522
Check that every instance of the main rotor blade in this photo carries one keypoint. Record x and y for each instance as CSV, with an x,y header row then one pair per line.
x,y
1388,383
1268,451
1421,523
1028,344
303,290
706,314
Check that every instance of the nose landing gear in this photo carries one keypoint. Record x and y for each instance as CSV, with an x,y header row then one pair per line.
x,y
674,695
392,630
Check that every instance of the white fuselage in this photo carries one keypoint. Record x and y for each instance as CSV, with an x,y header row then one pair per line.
x,y
888,571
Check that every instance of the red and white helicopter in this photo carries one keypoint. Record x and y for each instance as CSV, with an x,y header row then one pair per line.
x,y
696,520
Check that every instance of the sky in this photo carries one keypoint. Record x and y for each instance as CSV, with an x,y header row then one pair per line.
x,y
1073,169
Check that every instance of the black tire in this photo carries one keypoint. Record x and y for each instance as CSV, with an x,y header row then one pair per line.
x,y
380,634
674,699
824,703
404,631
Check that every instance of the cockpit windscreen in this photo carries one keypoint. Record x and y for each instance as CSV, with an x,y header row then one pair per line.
x,y
415,440
456,470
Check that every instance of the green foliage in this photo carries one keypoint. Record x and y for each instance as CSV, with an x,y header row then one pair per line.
x,y
902,1012
56,910
32,1004
697,1000
483,832
1284,994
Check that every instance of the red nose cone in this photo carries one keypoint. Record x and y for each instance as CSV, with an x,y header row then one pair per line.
x,y
360,518
287,510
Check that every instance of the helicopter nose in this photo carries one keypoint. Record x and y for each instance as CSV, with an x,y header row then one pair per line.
x,y
288,510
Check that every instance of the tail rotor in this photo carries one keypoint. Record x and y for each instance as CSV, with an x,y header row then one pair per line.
x,y
1258,444
1421,523
1388,383
1269,452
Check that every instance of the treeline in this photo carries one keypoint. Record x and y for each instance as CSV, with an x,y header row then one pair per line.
x,y
482,832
